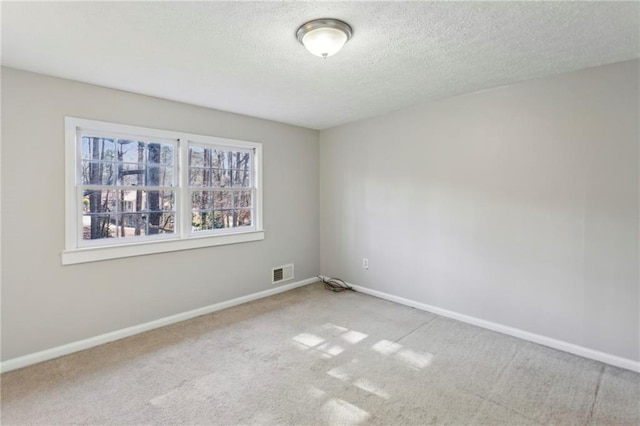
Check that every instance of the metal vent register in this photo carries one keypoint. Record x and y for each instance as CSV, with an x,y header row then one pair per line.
x,y
282,273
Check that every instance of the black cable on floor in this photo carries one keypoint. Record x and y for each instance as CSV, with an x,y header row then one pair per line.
x,y
335,284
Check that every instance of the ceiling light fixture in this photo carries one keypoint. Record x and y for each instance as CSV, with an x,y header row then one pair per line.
x,y
324,37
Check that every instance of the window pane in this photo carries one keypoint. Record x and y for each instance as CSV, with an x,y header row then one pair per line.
x,y
208,176
97,148
212,199
159,153
159,176
201,221
131,151
202,200
140,224
131,174
221,159
161,215
160,201
242,218
103,201
201,176
231,218
222,200
231,159
242,199
99,201
241,161
167,223
219,168
127,150
133,225
196,177
221,178
196,156
98,173
232,209
161,223
166,154
241,178
155,222
217,159
223,219
130,201
85,148
98,226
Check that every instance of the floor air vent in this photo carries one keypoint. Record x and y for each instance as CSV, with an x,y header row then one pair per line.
x,y
282,273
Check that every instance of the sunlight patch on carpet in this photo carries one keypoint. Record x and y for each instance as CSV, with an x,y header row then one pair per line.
x,y
353,336
415,359
369,386
316,393
308,339
386,347
339,373
338,411
332,350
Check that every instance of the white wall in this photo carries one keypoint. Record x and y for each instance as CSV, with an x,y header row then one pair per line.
x,y
45,304
516,205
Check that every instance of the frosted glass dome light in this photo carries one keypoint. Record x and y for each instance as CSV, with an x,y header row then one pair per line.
x,y
324,37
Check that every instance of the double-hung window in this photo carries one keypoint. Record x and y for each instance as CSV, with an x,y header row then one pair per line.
x,y
133,191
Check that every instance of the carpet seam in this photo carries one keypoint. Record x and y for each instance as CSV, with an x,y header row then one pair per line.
x,y
514,411
595,395
486,399
502,374
508,366
415,329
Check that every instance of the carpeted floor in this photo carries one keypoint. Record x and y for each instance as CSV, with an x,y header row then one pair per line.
x,y
309,356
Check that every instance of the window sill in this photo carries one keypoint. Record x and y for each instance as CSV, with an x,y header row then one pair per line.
x,y
84,255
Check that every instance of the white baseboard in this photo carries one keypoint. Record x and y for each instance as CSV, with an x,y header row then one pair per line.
x,y
614,360
58,351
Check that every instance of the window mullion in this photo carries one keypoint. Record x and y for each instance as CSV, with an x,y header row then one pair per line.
x,y
183,192
79,214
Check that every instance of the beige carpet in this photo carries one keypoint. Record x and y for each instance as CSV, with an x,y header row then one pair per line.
x,y
309,356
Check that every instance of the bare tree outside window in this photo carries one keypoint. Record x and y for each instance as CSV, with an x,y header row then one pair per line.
x,y
127,188
221,188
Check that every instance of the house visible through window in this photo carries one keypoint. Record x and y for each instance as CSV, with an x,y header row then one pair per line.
x,y
133,191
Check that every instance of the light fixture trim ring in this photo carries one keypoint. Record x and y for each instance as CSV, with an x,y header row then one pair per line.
x,y
323,23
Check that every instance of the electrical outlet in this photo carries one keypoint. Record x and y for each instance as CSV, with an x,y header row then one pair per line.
x,y
365,263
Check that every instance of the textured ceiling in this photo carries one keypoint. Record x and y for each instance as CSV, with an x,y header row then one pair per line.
x,y
243,56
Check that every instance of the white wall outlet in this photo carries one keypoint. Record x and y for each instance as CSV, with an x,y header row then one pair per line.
x,y
365,263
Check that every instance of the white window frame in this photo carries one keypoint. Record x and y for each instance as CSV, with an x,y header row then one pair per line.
x,y
80,251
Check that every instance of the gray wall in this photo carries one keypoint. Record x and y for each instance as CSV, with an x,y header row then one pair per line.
x,y
45,304
517,205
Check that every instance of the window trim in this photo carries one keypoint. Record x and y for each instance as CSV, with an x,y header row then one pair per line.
x,y
183,238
